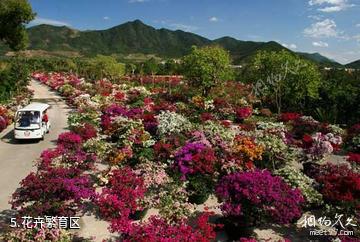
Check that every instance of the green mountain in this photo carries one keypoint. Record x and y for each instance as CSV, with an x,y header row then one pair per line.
x,y
128,38
137,37
242,50
318,58
355,65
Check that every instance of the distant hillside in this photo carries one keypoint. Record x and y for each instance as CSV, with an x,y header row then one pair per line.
x,y
320,59
137,37
241,50
355,65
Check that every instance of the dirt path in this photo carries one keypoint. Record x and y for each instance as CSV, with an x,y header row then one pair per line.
x,y
16,158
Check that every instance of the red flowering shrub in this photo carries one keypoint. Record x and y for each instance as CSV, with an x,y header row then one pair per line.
x,y
120,198
206,116
4,118
164,106
55,192
339,183
305,126
163,150
157,229
86,131
307,141
247,240
150,123
286,117
103,87
243,112
353,157
250,196
354,130
119,96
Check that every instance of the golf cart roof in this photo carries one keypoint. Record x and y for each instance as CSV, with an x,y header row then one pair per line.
x,y
41,107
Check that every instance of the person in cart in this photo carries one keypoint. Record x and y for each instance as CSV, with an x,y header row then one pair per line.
x,y
32,121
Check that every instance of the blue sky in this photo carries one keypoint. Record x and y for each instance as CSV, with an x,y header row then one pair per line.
x,y
330,27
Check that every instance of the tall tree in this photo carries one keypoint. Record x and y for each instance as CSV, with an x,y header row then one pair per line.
x,y
151,67
207,67
285,80
14,14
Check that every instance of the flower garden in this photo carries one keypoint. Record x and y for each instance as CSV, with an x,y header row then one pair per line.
x,y
202,165
8,110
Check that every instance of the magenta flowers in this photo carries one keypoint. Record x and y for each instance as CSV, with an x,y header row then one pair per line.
x,y
55,191
257,193
195,158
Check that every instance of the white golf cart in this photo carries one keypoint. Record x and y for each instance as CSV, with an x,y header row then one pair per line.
x,y
29,122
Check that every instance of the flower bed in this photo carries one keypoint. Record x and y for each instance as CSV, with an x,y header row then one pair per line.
x,y
166,148
7,111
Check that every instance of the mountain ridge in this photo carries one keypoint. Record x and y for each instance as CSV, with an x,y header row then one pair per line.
x,y
136,37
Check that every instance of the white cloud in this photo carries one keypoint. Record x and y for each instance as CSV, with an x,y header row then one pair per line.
x,y
187,28
214,19
289,46
320,44
325,28
357,37
329,6
106,18
358,25
315,17
39,20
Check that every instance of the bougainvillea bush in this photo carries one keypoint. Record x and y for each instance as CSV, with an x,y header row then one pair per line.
x,y
121,198
151,145
339,184
248,196
55,192
158,229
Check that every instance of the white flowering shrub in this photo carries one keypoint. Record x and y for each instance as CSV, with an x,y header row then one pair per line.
x,y
214,130
97,146
336,130
77,119
271,126
297,179
84,101
172,123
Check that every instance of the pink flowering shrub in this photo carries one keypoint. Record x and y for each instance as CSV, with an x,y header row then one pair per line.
x,y
115,110
61,157
320,145
3,123
256,195
55,191
157,229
